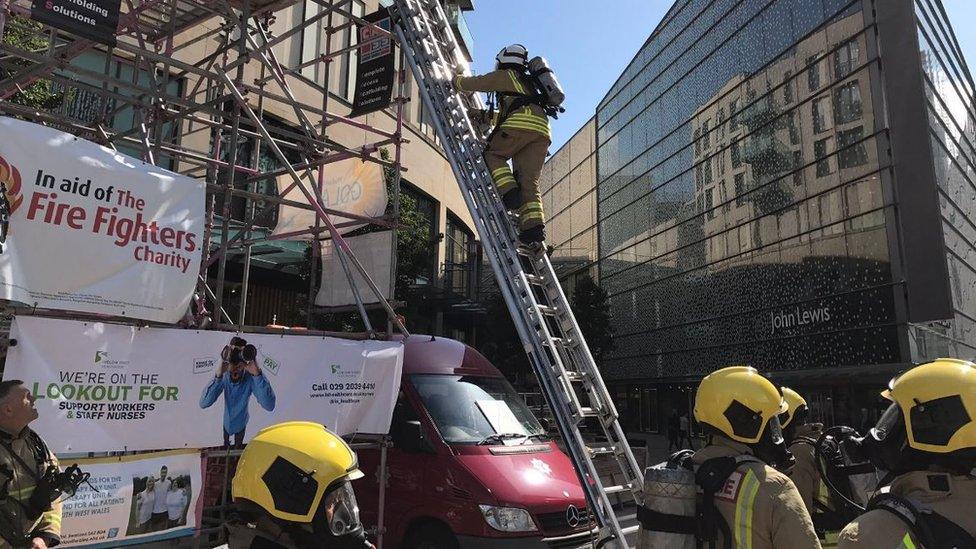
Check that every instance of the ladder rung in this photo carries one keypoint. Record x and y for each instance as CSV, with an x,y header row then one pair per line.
x,y
547,310
602,451
630,530
619,489
588,412
574,376
535,279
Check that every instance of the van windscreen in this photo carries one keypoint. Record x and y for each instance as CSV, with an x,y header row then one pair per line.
x,y
477,410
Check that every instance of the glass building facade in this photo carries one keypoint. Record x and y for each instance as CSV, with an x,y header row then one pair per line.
x,y
788,184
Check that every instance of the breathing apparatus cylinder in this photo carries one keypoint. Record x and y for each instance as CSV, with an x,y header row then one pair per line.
x,y
547,82
669,489
845,469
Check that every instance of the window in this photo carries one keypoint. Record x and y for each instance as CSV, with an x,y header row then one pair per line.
x,y
821,118
794,131
349,62
846,59
847,103
697,141
458,266
797,168
720,123
850,155
736,157
706,135
813,73
740,188
699,177
720,159
710,203
708,171
734,115
820,153
788,87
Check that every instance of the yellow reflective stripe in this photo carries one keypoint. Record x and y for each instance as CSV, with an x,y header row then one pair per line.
x,y
527,114
52,519
457,82
520,126
22,494
531,207
516,83
830,539
743,510
907,543
504,170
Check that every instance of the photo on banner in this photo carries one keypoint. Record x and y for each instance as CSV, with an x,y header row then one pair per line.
x,y
96,231
134,499
107,387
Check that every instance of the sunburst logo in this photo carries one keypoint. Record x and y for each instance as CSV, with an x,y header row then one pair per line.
x,y
10,177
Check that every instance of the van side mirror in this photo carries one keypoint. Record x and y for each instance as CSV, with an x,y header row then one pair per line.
x,y
409,437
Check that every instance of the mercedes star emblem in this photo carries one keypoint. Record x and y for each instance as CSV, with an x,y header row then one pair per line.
x,y
572,516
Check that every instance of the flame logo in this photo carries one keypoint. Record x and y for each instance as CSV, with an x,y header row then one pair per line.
x,y
10,177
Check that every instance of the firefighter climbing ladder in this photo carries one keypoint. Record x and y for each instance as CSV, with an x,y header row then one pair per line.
x,y
545,323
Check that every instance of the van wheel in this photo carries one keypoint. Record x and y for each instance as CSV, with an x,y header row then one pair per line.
x,y
430,536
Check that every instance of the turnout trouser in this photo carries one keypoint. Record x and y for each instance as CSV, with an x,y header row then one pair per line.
x,y
527,150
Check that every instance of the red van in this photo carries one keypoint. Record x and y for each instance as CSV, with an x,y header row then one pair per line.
x,y
470,465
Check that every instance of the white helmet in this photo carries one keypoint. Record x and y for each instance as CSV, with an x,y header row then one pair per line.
x,y
516,54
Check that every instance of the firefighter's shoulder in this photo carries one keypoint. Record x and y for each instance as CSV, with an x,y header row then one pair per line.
x,y
875,529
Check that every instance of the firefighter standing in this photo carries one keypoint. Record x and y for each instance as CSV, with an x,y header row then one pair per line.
x,y
760,506
927,441
292,490
802,437
28,518
521,135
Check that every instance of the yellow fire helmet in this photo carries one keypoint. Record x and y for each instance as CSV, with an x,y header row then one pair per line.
x,y
793,402
938,404
738,402
287,468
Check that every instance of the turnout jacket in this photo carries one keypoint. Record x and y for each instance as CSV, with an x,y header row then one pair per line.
x,y
760,505
952,496
508,84
24,473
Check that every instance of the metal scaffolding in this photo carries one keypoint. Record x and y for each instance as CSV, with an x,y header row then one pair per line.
x,y
200,116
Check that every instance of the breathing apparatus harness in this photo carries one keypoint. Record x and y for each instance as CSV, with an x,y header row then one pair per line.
x,y
530,80
51,486
842,453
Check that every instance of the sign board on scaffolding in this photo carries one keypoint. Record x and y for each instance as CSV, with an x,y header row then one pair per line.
x,y
96,231
134,499
96,20
374,251
375,70
106,387
350,185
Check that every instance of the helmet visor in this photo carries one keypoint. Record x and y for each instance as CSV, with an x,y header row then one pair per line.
x,y
775,430
342,511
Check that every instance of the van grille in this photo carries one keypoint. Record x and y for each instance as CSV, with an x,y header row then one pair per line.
x,y
555,524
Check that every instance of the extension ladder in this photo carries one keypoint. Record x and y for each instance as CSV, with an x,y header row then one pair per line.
x,y
560,358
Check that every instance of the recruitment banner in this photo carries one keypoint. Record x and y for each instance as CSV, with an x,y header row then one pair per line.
x,y
375,71
96,20
103,387
374,251
96,231
350,185
134,499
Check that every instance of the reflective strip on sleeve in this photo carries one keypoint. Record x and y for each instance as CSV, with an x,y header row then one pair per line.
x,y
516,83
906,542
743,510
457,82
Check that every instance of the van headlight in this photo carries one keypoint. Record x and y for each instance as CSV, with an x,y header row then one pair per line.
x,y
508,519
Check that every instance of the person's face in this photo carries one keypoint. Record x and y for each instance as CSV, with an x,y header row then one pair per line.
x,y
151,483
162,474
18,408
236,371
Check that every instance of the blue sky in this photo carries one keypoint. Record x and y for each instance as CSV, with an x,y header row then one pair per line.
x,y
590,47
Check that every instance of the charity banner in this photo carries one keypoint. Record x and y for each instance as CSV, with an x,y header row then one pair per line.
x,y
374,251
134,499
96,231
96,20
106,387
350,185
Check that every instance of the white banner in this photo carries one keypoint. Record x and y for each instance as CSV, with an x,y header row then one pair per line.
x,y
96,231
350,185
103,387
134,499
374,251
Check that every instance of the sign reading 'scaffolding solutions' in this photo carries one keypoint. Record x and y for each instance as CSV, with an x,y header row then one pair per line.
x,y
96,20
375,71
